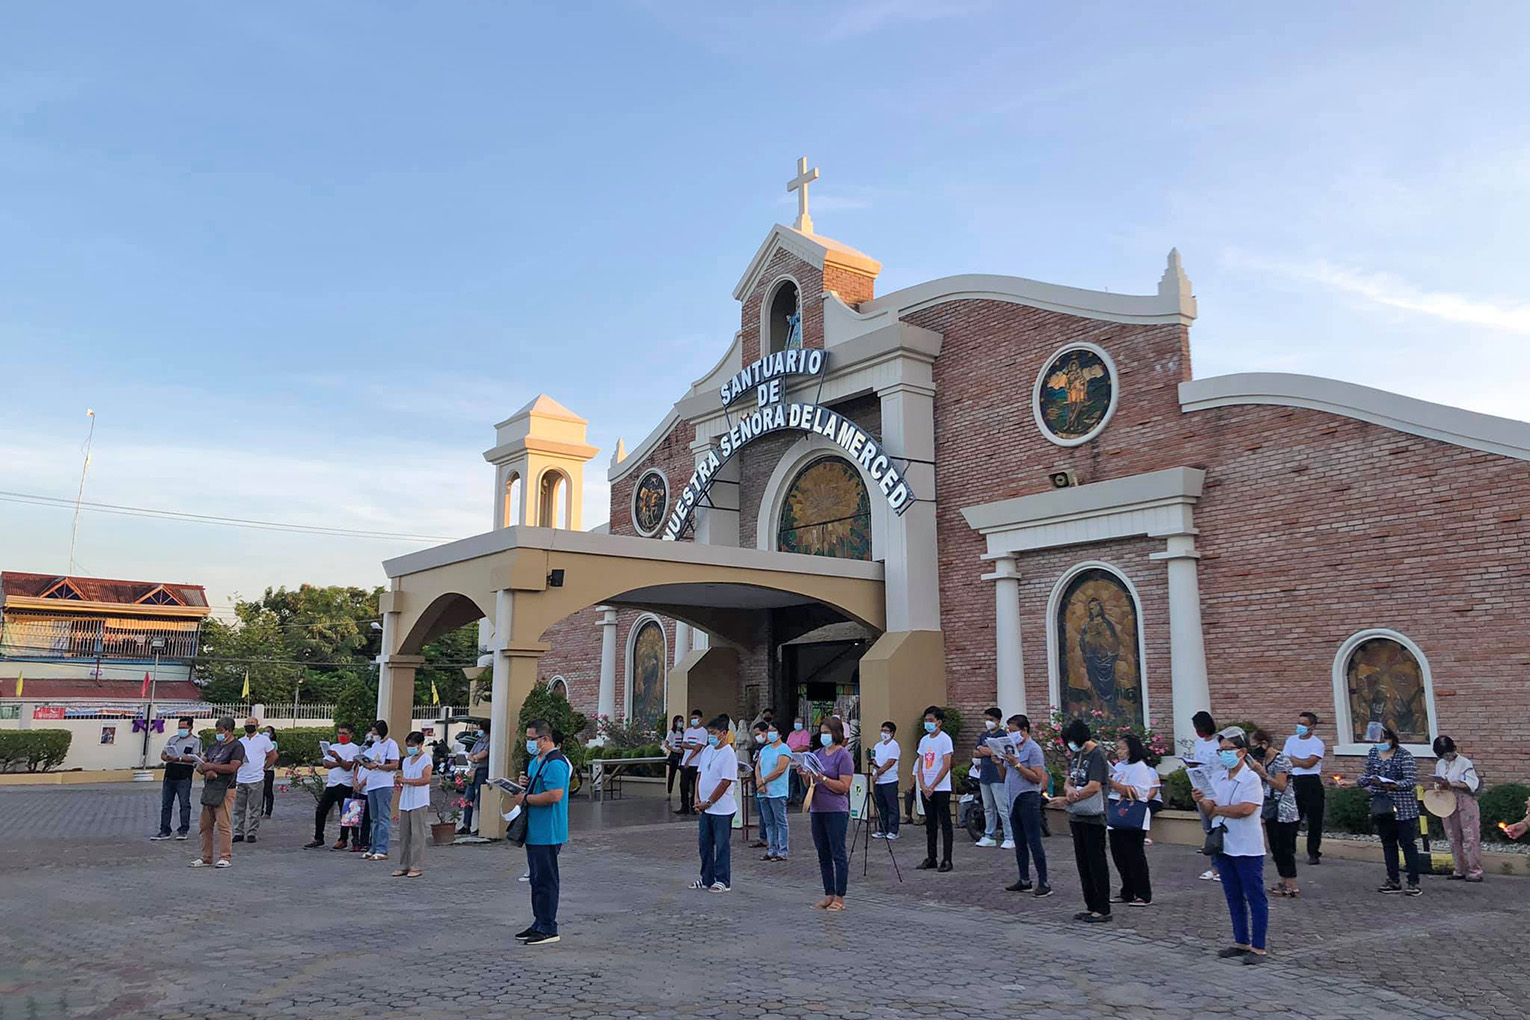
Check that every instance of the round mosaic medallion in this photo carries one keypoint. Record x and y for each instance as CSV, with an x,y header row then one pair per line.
x,y
1075,394
650,502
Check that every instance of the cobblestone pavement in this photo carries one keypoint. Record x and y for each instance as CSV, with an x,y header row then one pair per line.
x,y
102,923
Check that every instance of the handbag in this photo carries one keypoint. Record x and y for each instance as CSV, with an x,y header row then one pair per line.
x,y
215,790
1127,814
1092,806
519,827
1382,804
1216,837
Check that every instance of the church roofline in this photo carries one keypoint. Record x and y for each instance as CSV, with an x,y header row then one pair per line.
x,y
1455,425
814,249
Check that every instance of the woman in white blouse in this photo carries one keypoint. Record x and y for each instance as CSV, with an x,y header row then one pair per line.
x,y
1132,778
413,803
1455,771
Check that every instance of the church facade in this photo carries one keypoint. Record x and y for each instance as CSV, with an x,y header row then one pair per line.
x,y
1075,519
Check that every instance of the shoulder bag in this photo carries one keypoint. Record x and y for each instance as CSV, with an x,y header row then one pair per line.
x,y
520,826
1092,806
1127,814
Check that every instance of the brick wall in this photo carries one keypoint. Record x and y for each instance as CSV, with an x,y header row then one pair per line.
x,y
812,307
575,654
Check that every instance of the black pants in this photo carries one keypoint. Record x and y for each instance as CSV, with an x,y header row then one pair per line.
x,y
1309,807
542,862
172,790
1093,872
363,835
829,840
270,793
937,812
674,770
1393,832
333,796
688,788
887,808
1025,822
1282,837
1130,855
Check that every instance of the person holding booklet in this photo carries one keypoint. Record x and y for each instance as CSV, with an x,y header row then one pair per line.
x,y
1025,776
771,771
716,779
1233,810
991,784
1203,755
693,742
1390,775
413,782
830,810
338,758
380,761
180,756
673,746
220,768
884,778
546,802
1084,797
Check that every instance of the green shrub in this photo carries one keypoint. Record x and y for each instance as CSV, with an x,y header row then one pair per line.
x,y
953,728
34,750
357,706
299,745
1176,791
1502,803
542,703
1348,810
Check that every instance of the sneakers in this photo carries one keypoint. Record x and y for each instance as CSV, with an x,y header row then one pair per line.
x,y
251,839
1313,860
539,939
1097,918
316,844
181,835
698,885
1390,887
238,839
1019,887
874,835
719,887
339,844
987,841
1413,890
891,835
522,936
1043,891
1008,844
159,836
225,863
525,878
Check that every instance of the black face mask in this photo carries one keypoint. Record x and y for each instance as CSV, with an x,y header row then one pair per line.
x,y
249,729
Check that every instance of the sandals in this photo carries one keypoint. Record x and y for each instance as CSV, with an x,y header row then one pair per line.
x,y
835,906
400,873
415,874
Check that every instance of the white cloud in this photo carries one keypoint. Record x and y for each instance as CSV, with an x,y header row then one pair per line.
x,y
867,16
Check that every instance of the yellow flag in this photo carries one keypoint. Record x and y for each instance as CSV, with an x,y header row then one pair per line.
x,y
21,680
435,698
246,692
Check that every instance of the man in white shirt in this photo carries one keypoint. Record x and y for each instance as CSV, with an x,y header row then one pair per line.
x,y
716,777
884,756
932,773
1204,755
259,755
337,787
1235,808
1306,750
692,742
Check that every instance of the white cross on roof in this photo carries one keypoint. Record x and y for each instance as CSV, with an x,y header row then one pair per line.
x,y
799,185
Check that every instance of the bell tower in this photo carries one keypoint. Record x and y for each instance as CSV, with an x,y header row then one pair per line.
x,y
539,466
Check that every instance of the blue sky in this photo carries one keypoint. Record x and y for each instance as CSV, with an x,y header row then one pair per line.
x,y
300,258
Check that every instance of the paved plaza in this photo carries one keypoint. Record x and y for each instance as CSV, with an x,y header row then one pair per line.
x,y
102,923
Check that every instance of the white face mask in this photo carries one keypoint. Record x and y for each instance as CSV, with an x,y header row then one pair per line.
x,y
990,724
886,736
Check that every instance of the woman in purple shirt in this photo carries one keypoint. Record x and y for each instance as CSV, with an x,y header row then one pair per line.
x,y
830,811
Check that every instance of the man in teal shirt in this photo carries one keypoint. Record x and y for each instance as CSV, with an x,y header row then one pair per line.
x,y
545,801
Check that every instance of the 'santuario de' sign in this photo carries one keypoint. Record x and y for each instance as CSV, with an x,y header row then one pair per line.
x,y
767,378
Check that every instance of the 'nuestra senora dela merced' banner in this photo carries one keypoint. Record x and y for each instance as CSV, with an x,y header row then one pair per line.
x,y
767,378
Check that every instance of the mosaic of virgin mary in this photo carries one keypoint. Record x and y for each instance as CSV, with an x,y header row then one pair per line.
x,y
1098,664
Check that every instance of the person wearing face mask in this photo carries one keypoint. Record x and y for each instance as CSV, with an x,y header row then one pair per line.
x,y
693,742
716,779
991,784
413,782
383,755
933,774
771,768
1390,775
259,755
830,811
1454,771
674,742
268,786
337,788
1133,779
1305,749
1025,777
757,741
179,755
545,781
478,760
1084,797
220,769
799,741
1279,811
1204,754
884,778
1235,807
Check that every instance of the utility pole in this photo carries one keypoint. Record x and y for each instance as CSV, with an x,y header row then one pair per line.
x,y
158,644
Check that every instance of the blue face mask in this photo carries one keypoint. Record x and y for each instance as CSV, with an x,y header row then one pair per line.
x,y
929,727
412,751
222,737
772,736
826,739
1229,759
1075,748
796,726
1302,731
713,740
531,746
183,733
1383,746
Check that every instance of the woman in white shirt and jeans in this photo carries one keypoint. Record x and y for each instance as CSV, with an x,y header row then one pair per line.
x,y
1239,797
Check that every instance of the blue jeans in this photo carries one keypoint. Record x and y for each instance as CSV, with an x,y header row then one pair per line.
x,y
1025,824
829,838
171,791
995,818
542,862
773,825
1243,885
475,784
713,839
380,805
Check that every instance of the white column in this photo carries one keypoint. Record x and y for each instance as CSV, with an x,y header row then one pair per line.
x,y
909,546
499,706
682,641
1187,645
700,640
606,704
1008,663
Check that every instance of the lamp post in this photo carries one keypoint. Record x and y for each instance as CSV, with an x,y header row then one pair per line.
x,y
158,644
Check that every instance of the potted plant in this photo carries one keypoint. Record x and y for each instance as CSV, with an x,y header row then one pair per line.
x,y
447,800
